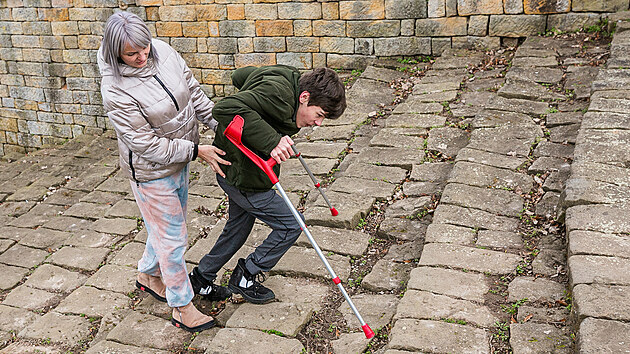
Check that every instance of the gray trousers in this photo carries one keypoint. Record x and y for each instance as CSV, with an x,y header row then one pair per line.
x,y
243,209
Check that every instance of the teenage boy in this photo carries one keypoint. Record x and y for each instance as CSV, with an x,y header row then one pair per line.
x,y
275,102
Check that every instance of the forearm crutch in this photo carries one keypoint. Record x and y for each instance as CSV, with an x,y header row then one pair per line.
x,y
233,133
333,211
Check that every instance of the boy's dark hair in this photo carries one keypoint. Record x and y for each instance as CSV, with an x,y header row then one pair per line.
x,y
326,91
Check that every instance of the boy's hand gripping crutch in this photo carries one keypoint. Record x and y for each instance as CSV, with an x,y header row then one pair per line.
x,y
234,132
317,185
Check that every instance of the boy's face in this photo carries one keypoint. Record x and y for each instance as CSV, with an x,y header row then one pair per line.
x,y
308,116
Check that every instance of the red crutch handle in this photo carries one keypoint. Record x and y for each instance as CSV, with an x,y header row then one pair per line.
x,y
234,132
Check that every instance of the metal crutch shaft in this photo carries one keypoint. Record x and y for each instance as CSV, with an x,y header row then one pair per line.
x,y
233,132
333,211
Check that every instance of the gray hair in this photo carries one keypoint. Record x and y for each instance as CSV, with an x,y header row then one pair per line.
x,y
124,28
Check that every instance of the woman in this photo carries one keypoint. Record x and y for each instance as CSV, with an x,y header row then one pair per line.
x,y
153,102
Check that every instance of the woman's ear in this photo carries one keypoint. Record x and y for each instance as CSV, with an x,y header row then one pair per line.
x,y
304,96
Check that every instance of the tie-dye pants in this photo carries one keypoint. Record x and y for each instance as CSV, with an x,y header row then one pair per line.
x,y
162,203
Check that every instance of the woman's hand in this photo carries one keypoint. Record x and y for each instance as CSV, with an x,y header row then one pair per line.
x,y
210,154
283,150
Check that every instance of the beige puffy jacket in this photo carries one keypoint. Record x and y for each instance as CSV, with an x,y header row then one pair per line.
x,y
154,110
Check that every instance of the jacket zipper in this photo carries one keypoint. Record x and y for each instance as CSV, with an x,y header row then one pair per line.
x,y
133,170
167,91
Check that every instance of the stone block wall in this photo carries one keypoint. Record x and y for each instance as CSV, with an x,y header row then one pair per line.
x,y
49,81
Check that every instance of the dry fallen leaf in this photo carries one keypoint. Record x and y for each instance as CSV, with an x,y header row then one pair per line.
x,y
528,317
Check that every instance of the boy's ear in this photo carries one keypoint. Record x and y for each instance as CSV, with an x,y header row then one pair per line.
x,y
304,96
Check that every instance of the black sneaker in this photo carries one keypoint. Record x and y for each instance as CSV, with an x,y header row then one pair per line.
x,y
244,283
209,291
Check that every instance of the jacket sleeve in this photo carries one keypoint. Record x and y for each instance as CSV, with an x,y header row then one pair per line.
x,y
257,133
203,105
240,75
138,135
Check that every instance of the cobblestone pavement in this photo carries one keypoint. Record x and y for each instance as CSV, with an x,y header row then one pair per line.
x,y
446,236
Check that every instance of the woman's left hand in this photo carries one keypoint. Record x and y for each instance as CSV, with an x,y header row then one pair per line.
x,y
210,154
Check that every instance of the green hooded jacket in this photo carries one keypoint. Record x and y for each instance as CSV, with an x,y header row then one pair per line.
x,y
268,102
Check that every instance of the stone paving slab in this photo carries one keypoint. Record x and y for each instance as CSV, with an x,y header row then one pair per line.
x,y
43,238
431,171
409,138
58,328
387,156
402,229
499,239
89,238
538,338
425,305
101,197
318,166
11,276
53,278
473,218
148,331
609,302
92,302
107,346
489,118
15,319
546,148
351,208
582,191
117,226
601,335
497,201
378,189
462,257
377,310
115,278
418,108
535,289
414,121
486,176
350,343
5,244
419,189
596,243
528,90
87,210
341,241
31,299
434,336
387,276
301,261
67,223
598,269
443,96
37,216
602,218
462,285
129,255
541,315
127,209
232,340
84,258
541,75
285,317
374,172
321,149
506,140
447,140
381,74
604,120
490,158
408,207
446,233
22,256
537,61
